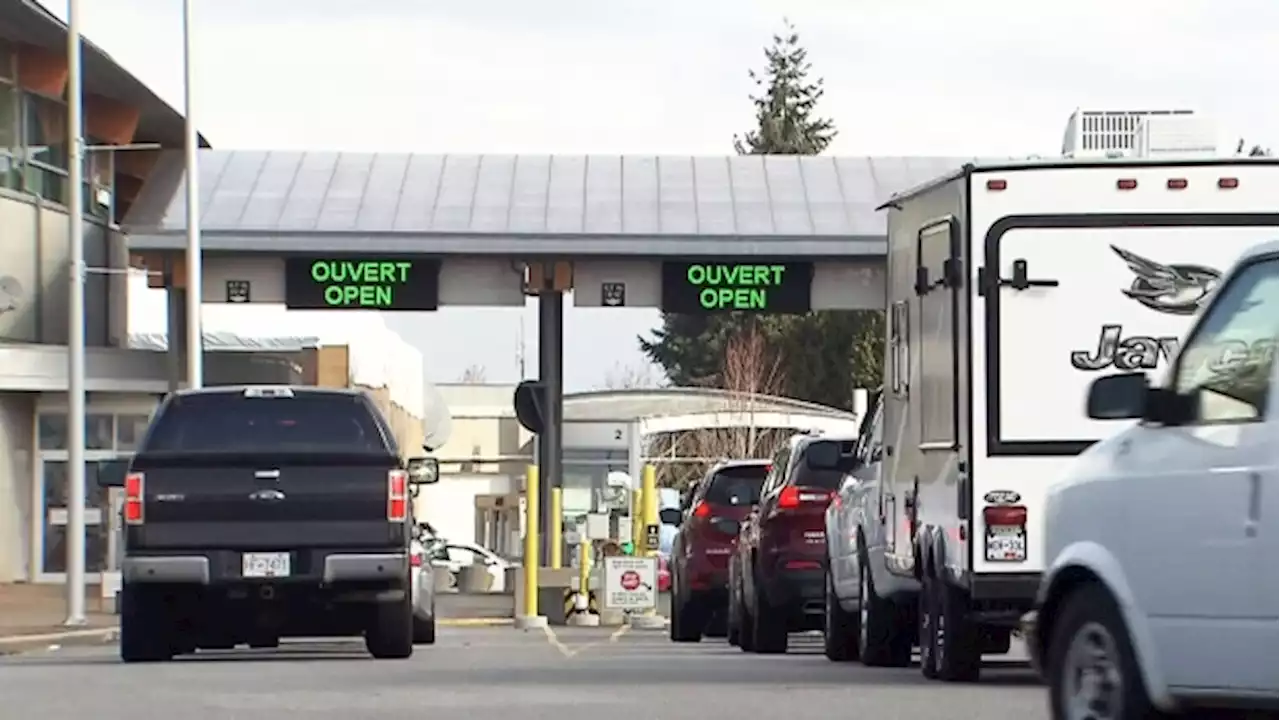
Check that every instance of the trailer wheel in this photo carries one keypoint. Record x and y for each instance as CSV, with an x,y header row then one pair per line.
x,y
958,651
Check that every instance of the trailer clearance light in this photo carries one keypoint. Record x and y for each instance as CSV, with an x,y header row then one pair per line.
x,y
1228,183
1177,183
996,185
1126,184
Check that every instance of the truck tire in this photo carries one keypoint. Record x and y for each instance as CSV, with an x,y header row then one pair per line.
x,y
390,635
958,650
424,630
928,622
885,640
1088,619
839,628
770,631
146,629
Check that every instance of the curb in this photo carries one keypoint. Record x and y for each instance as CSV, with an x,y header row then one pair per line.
x,y
21,643
475,622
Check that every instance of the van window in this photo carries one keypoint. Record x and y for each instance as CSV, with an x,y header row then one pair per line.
x,y
230,422
804,476
1229,359
736,486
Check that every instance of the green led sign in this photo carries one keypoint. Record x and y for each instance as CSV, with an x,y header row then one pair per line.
x,y
362,283
765,287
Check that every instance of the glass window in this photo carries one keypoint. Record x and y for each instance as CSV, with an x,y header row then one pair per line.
x,y
45,128
98,431
52,431
462,556
1228,362
130,429
7,61
229,422
899,348
737,485
8,115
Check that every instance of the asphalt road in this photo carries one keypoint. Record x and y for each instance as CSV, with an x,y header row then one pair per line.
x,y
500,673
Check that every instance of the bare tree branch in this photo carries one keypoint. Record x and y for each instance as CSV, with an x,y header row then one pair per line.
x,y
474,375
631,377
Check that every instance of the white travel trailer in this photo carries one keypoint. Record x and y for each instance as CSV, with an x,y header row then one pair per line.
x,y
1010,288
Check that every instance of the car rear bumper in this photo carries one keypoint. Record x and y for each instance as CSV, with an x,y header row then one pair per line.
x,y
308,566
800,589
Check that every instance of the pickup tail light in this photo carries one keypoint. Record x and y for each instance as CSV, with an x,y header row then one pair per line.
x,y
134,508
397,495
793,497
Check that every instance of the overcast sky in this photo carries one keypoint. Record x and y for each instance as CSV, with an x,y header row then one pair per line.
x,y
925,77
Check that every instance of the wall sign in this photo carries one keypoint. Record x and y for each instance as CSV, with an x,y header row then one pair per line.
x,y
362,282
763,287
238,291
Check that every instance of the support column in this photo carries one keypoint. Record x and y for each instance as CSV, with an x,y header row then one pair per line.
x,y
176,355
551,374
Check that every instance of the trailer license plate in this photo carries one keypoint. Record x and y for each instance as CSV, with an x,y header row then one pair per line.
x,y
265,565
1006,543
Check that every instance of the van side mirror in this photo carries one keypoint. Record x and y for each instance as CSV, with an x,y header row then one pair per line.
x,y
111,473
423,470
1118,397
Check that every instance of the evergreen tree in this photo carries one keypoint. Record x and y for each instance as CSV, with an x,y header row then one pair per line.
x,y
786,120
824,355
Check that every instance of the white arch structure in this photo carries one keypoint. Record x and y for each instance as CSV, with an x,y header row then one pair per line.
x,y
824,422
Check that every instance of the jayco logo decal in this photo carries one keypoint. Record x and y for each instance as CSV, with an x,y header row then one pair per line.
x,y
1175,289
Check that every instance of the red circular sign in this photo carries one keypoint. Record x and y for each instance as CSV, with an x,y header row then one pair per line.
x,y
630,580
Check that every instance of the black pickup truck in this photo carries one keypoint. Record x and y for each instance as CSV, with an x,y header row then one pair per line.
x,y
256,513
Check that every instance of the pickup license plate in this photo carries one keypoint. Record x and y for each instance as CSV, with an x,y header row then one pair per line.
x,y
1006,543
265,565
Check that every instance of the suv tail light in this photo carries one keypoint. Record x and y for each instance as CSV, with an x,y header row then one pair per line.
x,y
793,497
134,484
397,495
702,509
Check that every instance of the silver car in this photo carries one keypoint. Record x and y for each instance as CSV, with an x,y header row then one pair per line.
x,y
424,591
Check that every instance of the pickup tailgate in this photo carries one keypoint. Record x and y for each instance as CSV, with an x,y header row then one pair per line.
x,y
265,468
320,500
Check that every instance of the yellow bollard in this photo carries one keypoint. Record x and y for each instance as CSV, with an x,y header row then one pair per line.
x,y
649,516
531,558
637,521
557,529
584,572
649,503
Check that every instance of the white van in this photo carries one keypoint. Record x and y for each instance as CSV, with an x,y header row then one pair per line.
x,y
1160,590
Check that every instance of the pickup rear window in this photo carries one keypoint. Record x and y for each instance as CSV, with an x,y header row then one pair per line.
x,y
230,422
737,485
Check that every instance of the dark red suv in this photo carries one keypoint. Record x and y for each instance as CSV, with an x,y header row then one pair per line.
x,y
778,578
700,554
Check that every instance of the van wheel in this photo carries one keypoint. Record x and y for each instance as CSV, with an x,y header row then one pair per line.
x,y
839,628
746,625
770,630
885,638
390,635
685,619
1091,663
958,648
424,630
146,625
928,622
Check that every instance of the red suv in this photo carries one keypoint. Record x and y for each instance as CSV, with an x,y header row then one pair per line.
x,y
778,569
700,553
